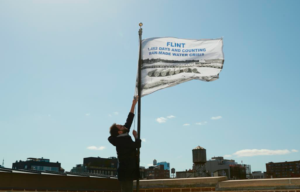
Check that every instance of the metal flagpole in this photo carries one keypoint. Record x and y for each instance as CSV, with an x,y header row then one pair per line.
x,y
139,104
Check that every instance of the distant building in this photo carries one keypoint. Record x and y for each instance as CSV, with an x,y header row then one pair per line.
x,y
257,175
218,166
38,164
97,166
283,169
185,174
165,164
142,172
157,172
79,169
154,162
238,171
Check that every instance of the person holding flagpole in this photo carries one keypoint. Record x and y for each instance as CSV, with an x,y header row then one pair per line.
x,y
126,148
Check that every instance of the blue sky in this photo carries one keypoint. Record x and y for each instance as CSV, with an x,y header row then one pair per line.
x,y
68,72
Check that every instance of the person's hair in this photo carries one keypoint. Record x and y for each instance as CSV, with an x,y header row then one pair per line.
x,y
114,130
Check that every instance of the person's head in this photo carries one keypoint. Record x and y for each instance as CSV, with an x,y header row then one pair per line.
x,y
117,129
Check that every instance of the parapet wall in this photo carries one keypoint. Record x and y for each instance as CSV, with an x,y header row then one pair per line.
x,y
181,183
12,181
58,183
282,184
221,184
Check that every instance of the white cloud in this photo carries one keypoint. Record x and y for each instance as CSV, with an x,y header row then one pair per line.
x,y
216,118
257,152
161,120
164,119
226,156
171,117
202,123
186,124
114,113
87,114
294,150
95,148
144,140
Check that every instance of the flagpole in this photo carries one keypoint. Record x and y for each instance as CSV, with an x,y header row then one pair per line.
x,y
139,104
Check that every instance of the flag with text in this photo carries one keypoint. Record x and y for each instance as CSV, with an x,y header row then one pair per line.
x,y
170,61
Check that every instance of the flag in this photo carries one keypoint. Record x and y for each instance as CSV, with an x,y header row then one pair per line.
x,y
169,61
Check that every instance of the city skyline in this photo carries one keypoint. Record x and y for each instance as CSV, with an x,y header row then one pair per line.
x,y
68,72
216,166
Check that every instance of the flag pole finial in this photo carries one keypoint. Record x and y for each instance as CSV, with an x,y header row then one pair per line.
x,y
140,24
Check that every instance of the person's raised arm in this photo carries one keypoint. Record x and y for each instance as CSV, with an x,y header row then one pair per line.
x,y
135,100
131,114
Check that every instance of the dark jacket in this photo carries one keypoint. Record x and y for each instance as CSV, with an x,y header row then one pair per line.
x,y
127,153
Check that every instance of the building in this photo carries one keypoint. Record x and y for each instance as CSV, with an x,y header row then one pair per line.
x,y
157,172
165,164
218,166
142,172
258,175
185,174
97,166
237,171
154,162
283,169
199,161
38,164
79,169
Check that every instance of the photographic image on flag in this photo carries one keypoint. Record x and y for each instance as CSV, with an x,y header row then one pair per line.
x,y
169,61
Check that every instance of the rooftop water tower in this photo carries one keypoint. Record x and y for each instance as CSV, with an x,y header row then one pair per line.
x,y
154,162
173,171
199,160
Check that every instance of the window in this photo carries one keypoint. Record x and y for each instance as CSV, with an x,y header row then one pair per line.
x,y
54,169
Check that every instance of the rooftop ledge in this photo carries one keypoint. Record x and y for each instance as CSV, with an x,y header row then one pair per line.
x,y
181,182
16,181
261,184
221,183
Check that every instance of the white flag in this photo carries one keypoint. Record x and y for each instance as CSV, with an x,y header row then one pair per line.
x,y
169,61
